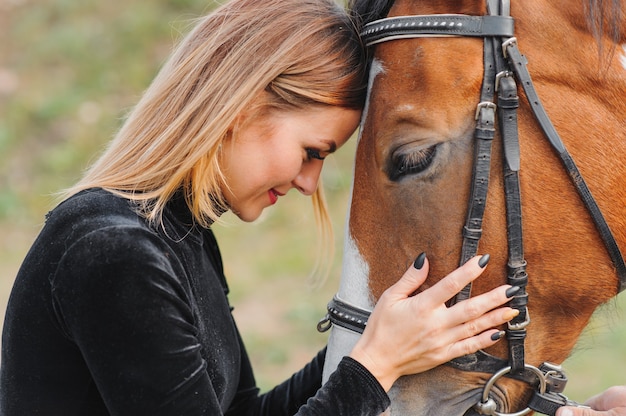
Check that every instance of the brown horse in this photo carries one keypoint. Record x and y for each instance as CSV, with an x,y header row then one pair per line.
x,y
413,176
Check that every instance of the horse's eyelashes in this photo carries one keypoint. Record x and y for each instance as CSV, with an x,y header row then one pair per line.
x,y
408,163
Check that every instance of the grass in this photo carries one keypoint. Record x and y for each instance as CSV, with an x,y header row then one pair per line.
x,y
70,70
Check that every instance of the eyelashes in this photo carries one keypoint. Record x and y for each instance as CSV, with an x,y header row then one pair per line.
x,y
403,164
313,154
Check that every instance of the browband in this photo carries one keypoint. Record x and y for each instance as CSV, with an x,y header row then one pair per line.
x,y
405,27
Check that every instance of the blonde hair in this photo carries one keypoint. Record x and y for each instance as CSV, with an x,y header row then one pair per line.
x,y
301,52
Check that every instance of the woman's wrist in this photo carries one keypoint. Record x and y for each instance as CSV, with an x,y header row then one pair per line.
x,y
385,376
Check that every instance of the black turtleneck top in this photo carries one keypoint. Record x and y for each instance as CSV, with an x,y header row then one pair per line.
x,y
112,316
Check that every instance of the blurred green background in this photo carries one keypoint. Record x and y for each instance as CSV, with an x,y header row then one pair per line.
x,y
70,70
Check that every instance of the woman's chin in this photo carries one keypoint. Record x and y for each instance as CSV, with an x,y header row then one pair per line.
x,y
248,216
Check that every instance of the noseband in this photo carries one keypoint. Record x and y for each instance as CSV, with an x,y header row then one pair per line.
x,y
504,67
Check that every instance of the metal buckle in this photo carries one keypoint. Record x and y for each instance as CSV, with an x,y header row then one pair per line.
x,y
555,377
484,104
506,44
501,75
521,325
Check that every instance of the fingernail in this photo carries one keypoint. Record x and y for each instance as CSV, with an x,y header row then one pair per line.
x,y
566,412
497,335
510,314
419,261
482,262
510,292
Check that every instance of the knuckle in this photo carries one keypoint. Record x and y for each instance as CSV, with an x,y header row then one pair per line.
x,y
471,328
472,309
470,347
497,297
451,285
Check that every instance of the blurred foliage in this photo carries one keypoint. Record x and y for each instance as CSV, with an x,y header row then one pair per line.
x,y
70,70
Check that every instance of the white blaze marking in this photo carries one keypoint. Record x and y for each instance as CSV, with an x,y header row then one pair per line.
x,y
353,286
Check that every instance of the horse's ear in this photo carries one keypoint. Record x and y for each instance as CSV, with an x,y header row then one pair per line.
x,y
366,11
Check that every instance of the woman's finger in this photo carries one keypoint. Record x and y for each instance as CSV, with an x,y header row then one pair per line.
x,y
612,398
412,278
476,306
473,344
483,323
452,284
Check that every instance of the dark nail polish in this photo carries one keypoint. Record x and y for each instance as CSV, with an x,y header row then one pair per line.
x,y
497,336
419,261
482,262
510,292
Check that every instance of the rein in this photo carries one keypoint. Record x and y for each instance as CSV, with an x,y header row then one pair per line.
x,y
504,67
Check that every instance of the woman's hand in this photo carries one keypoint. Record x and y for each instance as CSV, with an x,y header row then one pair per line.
x,y
409,334
611,402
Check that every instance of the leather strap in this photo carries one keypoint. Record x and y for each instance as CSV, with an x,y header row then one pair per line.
x,y
345,315
508,104
547,403
404,27
483,362
518,64
483,135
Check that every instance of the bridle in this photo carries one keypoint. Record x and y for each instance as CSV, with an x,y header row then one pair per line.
x,y
504,67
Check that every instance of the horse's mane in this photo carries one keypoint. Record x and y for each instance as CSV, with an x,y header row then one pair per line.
x,y
603,16
366,11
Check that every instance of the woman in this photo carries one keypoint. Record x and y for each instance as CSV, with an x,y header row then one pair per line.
x,y
611,402
121,308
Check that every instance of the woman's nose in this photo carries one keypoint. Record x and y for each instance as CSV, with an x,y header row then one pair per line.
x,y
307,179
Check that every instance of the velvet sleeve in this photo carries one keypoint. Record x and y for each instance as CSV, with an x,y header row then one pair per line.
x,y
120,301
351,391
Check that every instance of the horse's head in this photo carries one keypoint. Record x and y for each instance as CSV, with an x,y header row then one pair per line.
x,y
414,167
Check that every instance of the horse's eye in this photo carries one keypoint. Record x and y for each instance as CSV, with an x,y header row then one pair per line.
x,y
403,164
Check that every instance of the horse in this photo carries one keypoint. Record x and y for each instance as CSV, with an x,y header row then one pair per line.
x,y
430,141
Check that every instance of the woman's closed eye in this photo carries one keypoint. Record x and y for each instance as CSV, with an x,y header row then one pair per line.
x,y
314,154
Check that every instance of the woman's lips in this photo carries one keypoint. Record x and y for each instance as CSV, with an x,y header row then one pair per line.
x,y
274,194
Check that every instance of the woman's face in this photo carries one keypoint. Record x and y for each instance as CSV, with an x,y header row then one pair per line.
x,y
278,151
